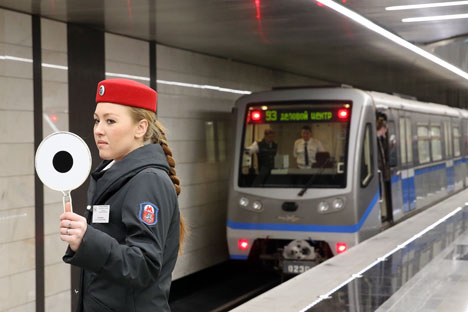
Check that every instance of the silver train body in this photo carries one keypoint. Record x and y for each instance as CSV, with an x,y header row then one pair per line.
x,y
342,201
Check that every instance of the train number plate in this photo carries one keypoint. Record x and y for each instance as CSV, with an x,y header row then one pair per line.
x,y
297,267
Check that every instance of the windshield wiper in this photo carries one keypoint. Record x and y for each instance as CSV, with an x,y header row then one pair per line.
x,y
313,178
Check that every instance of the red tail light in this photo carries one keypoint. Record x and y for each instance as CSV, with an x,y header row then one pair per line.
x,y
341,247
243,244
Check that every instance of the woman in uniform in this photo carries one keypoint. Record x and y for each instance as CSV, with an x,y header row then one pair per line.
x,y
128,242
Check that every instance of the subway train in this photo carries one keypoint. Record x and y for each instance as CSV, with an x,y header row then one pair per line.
x,y
292,215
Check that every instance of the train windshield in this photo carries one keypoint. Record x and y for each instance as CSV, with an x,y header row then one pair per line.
x,y
295,145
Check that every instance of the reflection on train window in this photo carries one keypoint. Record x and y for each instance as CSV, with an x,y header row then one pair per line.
x,y
456,141
295,145
436,144
366,158
423,144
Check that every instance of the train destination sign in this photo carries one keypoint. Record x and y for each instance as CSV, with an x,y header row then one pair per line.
x,y
296,115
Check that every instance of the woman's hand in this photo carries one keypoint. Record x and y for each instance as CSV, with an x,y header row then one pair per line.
x,y
72,228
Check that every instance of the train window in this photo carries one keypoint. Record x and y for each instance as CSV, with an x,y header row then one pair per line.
x,y
456,141
403,141
465,135
423,144
392,141
409,140
295,144
406,149
366,157
436,144
448,139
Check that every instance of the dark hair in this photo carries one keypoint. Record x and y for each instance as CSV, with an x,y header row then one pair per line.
x,y
306,128
268,131
381,122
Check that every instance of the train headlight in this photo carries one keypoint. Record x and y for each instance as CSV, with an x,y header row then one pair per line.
x,y
337,204
257,205
244,202
323,207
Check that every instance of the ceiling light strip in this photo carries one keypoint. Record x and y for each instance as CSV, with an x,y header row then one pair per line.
x,y
142,78
398,40
425,5
434,18
181,84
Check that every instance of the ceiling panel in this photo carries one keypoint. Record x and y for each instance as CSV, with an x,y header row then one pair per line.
x,y
296,36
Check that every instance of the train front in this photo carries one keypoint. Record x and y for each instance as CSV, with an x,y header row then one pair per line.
x,y
295,197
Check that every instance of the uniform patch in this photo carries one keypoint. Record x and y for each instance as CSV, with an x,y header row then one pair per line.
x,y
148,213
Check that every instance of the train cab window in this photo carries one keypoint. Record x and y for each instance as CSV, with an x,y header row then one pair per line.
x,y
366,157
456,141
436,144
423,144
295,144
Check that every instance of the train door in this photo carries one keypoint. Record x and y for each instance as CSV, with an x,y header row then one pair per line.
x,y
385,135
395,182
406,166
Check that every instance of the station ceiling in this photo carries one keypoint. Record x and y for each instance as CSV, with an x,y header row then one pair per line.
x,y
296,36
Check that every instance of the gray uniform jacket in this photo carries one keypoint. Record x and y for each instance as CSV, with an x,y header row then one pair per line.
x,y
127,263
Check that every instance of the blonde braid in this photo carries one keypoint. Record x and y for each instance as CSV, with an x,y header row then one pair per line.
x,y
156,133
159,136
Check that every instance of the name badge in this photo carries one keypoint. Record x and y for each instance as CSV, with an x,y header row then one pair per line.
x,y
101,213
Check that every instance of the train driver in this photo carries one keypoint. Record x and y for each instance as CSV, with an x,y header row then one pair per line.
x,y
266,150
305,148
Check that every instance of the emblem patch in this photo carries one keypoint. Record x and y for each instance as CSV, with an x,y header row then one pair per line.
x,y
102,90
148,213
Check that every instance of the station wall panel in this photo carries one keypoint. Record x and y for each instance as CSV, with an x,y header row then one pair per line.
x,y
17,273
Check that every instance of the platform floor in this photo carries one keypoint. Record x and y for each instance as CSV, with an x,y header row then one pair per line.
x,y
420,264
442,285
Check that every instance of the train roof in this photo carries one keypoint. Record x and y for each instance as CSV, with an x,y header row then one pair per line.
x,y
382,100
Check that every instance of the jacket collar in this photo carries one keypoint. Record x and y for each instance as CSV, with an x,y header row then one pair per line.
x,y
105,183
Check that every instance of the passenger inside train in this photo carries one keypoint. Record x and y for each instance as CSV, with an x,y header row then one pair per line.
x,y
325,128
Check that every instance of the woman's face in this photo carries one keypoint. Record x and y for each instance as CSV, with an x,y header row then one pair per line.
x,y
115,132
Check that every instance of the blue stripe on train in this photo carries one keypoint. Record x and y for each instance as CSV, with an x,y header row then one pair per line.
x,y
409,198
409,203
306,227
239,257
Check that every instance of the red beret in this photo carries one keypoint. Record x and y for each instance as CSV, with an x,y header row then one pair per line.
x,y
126,92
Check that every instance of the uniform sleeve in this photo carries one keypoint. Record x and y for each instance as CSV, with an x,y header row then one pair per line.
x,y
252,148
137,262
320,146
295,147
